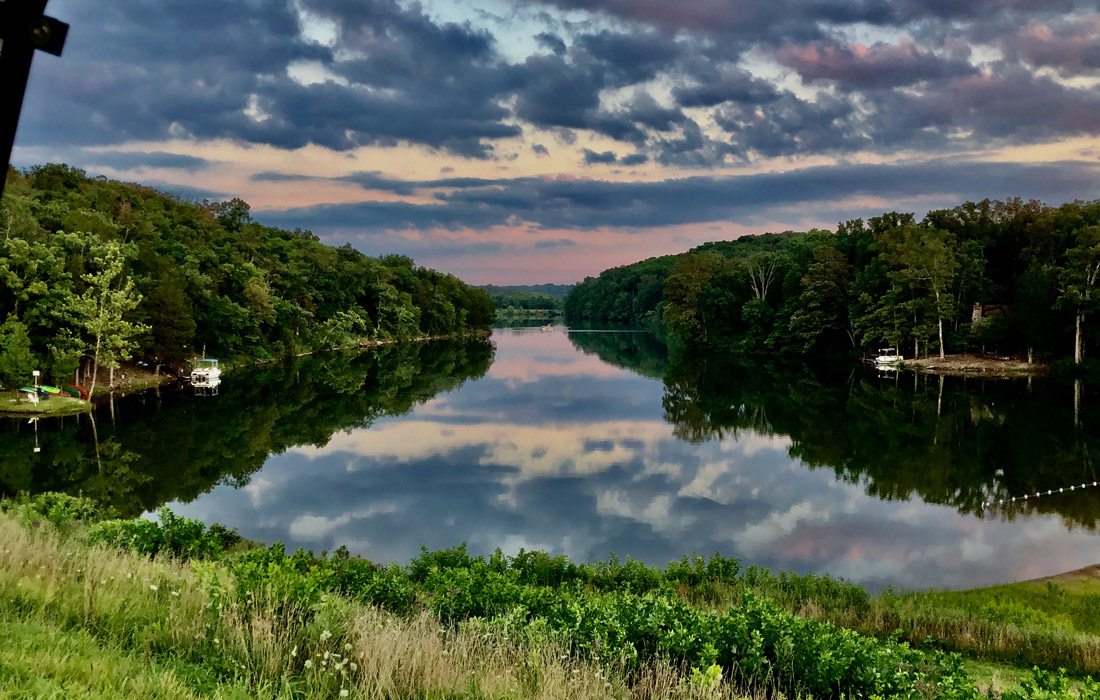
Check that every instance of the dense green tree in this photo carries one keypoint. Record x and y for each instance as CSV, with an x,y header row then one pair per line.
x,y
821,318
209,276
923,262
686,306
102,312
16,360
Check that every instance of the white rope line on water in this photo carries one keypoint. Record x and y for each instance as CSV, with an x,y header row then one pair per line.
x,y
1040,494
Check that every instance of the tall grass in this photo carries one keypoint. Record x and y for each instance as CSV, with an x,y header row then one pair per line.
x,y
261,622
157,627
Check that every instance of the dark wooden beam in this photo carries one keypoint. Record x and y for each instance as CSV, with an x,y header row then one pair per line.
x,y
24,29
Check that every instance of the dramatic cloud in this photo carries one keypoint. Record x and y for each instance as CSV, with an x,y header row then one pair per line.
x,y
594,204
1071,47
878,66
126,160
343,114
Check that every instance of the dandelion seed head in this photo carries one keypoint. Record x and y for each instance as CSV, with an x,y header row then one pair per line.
x,y
309,663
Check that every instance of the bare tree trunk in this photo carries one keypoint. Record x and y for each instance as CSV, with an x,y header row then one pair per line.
x,y
1030,354
111,381
95,367
1079,340
941,338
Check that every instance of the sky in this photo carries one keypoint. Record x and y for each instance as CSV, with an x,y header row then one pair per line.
x,y
533,141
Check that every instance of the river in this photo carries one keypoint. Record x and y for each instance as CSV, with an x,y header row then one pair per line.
x,y
592,443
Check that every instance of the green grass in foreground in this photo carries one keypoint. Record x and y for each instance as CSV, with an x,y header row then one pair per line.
x,y
181,609
42,660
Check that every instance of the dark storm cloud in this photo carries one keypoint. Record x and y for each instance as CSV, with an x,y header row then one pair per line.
x,y
592,204
715,84
210,69
127,160
1069,46
763,18
878,66
394,74
591,157
788,126
1011,105
551,42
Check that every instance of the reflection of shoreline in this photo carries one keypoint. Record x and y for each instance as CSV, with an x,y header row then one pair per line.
x,y
544,452
163,446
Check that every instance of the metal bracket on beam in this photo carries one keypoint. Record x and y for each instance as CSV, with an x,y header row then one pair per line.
x,y
24,29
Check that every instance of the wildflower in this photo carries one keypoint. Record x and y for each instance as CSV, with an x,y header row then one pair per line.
x,y
325,636
309,663
344,692
354,666
153,587
175,594
347,647
294,651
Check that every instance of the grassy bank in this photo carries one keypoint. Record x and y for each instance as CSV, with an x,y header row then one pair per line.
x,y
179,609
11,403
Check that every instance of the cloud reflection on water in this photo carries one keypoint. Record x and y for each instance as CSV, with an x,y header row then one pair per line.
x,y
556,450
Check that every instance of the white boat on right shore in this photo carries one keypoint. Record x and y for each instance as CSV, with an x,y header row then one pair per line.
x,y
888,357
205,371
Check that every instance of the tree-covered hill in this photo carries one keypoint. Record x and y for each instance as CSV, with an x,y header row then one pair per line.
x,y
1012,277
93,268
528,296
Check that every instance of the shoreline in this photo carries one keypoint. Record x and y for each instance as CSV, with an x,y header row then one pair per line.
x,y
963,365
131,378
12,406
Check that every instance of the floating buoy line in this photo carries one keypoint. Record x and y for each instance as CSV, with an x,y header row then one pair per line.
x,y
1040,494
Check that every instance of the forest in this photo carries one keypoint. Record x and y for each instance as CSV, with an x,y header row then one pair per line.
x,y
94,271
1008,277
527,297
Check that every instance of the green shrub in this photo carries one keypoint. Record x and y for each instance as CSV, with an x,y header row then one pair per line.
x,y
1048,685
183,538
58,508
270,576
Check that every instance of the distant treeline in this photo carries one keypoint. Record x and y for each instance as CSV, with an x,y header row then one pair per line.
x,y
93,270
547,297
1013,277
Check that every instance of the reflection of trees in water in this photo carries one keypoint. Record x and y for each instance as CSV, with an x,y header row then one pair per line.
x,y
957,442
639,352
176,446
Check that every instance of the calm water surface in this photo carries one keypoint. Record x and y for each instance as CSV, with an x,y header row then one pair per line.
x,y
592,443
